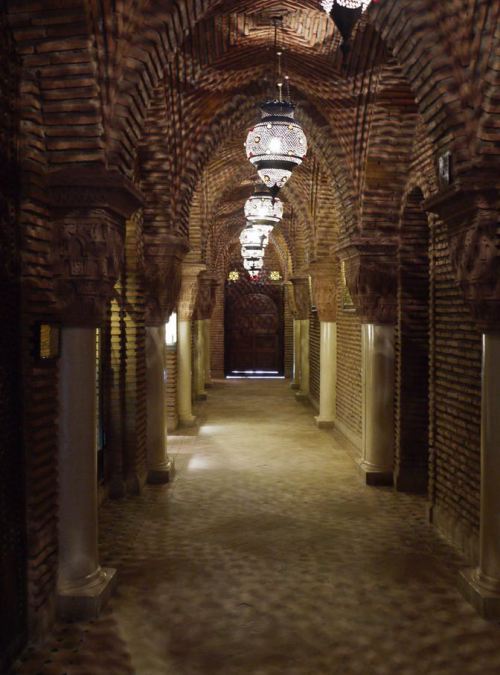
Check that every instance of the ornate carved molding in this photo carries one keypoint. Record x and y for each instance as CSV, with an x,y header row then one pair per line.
x,y
324,288
371,275
163,275
205,302
471,212
90,208
189,289
302,296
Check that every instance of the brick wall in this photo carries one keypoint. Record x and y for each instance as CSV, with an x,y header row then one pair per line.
x,y
349,398
314,356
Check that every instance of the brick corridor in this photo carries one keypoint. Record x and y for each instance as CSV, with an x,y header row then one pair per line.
x,y
268,556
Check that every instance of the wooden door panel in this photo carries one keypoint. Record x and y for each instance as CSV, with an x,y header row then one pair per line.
x,y
254,328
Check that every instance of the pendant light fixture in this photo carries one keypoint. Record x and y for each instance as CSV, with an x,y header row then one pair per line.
x,y
345,14
262,206
277,144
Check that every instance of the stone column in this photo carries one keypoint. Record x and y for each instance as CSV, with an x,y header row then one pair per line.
x,y
302,306
199,360
160,466
324,288
186,307
370,269
89,209
82,585
207,325
378,403
481,586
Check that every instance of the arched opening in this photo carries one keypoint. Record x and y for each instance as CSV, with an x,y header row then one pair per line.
x,y
254,329
412,350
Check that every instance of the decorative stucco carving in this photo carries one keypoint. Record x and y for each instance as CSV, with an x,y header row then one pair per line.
x,y
472,216
205,302
324,288
163,276
90,208
302,296
189,290
371,276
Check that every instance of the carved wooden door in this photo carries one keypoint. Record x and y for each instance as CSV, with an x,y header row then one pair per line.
x,y
254,330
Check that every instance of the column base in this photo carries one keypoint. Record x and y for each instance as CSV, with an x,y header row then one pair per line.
x,y
85,602
374,476
324,424
485,600
295,385
162,475
301,396
188,422
201,397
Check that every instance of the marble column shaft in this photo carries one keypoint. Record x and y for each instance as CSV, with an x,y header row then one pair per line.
x,y
296,355
328,374
82,585
378,403
199,360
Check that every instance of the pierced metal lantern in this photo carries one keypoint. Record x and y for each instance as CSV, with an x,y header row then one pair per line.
x,y
251,236
276,145
262,206
252,251
345,14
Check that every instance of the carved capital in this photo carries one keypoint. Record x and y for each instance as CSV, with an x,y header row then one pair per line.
x,y
371,276
90,208
324,288
205,301
472,217
302,296
189,290
162,274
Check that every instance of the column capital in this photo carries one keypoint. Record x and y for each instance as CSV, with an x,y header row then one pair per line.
x,y
324,288
371,276
189,289
302,296
163,255
89,208
471,211
205,301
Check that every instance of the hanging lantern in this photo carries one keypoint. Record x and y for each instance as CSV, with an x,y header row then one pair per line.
x,y
251,236
262,206
345,14
253,264
252,251
276,145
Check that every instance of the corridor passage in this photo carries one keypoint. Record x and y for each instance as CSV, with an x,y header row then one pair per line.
x,y
268,556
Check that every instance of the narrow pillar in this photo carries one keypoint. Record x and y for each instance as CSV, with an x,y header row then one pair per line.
x,y
184,374
303,392
378,403
296,355
199,361
328,375
82,585
207,324
160,466
481,586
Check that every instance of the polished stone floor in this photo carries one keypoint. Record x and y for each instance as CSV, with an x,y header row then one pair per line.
x,y
268,556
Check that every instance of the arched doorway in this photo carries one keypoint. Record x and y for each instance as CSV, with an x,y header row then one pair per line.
x,y
254,330
412,350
